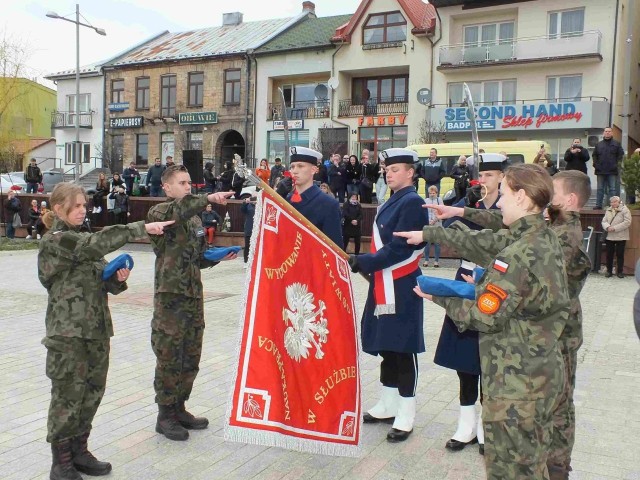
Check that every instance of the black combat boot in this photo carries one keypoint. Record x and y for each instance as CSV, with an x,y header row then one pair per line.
x,y
168,423
189,421
62,467
83,459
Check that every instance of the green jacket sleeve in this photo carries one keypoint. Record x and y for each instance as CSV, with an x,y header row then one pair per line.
x,y
478,246
115,287
92,247
491,219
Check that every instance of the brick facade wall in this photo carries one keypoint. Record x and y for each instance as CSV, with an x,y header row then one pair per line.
x,y
230,117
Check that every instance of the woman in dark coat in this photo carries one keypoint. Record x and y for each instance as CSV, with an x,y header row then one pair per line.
x,y
354,174
352,222
209,178
226,179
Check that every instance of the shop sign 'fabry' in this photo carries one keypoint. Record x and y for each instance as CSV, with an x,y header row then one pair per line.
x,y
527,116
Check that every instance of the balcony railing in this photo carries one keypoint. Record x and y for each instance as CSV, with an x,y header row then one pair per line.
x,y
579,44
300,110
384,106
68,119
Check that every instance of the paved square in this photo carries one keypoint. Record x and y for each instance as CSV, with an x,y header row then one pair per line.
x,y
607,393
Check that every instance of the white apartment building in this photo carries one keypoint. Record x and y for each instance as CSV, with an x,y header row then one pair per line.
x,y
538,70
90,112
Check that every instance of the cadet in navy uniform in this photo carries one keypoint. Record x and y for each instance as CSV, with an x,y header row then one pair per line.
x,y
460,351
392,318
319,208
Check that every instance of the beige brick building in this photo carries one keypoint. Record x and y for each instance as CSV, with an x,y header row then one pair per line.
x,y
189,91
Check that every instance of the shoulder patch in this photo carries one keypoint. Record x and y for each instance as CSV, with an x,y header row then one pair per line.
x,y
68,242
499,292
489,303
500,265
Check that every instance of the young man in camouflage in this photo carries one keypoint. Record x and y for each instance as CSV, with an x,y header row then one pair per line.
x,y
78,324
571,191
177,327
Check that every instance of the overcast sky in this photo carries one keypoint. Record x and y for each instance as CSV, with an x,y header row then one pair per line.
x,y
128,22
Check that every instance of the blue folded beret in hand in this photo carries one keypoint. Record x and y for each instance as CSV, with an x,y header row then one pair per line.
x,y
121,261
442,287
215,254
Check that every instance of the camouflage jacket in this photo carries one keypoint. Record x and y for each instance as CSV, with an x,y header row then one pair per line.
x,y
521,308
179,252
70,265
577,263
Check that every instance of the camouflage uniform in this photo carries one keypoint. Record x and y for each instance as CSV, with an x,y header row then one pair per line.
x,y
177,327
577,266
78,322
521,309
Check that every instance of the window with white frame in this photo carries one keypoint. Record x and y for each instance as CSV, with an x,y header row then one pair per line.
x,y
488,92
489,34
566,88
84,103
568,23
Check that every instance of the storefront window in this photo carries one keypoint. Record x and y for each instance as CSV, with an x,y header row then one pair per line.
x,y
376,139
297,138
194,140
167,144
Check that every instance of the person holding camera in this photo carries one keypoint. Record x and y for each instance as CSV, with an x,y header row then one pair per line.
x,y
461,176
544,160
576,157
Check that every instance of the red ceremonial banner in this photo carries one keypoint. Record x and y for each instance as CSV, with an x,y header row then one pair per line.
x,y
297,383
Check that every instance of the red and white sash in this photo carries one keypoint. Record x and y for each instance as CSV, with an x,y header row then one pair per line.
x,y
383,288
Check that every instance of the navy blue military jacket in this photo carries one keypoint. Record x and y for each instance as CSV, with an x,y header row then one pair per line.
x,y
460,350
322,210
400,331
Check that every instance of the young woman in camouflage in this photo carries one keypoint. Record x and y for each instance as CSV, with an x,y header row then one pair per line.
x,y
571,190
78,324
521,309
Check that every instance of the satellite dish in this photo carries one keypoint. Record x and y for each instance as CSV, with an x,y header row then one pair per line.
x,y
321,92
333,83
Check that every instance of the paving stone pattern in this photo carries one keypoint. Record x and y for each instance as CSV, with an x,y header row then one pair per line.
x,y
607,393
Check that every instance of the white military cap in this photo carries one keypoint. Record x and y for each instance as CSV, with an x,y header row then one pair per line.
x,y
398,155
492,161
303,154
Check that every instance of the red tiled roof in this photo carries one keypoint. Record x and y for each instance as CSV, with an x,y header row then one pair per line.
x,y
25,146
421,15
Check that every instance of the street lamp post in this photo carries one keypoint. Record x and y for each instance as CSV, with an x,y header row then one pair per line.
x,y
77,145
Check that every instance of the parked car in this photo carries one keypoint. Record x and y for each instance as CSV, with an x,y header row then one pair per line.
x,y
16,180
50,178
6,185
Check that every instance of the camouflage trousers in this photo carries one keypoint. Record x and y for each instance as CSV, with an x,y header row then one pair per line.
x,y
517,437
78,369
177,330
564,419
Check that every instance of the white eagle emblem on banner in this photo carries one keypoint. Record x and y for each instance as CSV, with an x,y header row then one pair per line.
x,y
308,326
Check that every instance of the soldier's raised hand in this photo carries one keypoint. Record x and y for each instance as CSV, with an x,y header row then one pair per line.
x,y
445,211
413,238
219,197
157,228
